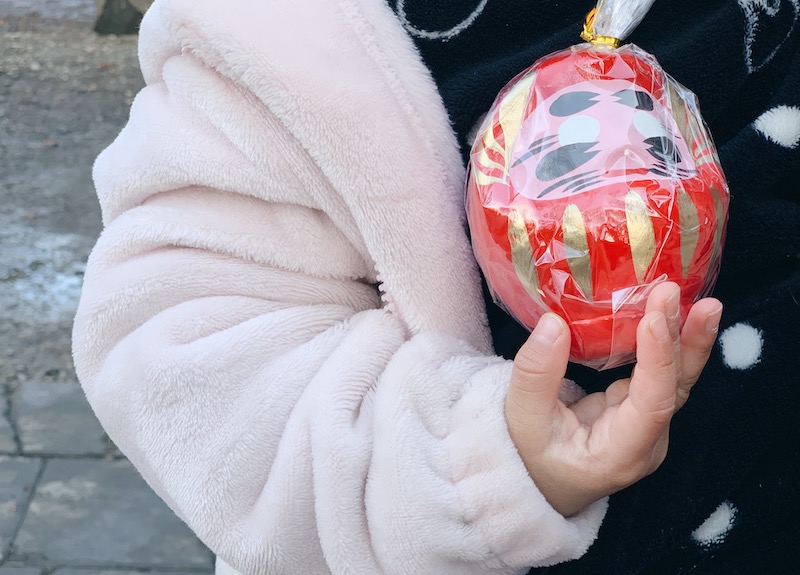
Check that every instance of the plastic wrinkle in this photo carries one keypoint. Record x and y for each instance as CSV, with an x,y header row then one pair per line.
x,y
619,18
591,180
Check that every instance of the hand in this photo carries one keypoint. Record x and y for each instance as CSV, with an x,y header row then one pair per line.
x,y
607,441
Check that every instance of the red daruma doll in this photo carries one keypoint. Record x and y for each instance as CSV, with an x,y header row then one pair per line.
x,y
593,179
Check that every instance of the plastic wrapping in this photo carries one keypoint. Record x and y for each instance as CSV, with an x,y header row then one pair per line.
x,y
618,18
591,180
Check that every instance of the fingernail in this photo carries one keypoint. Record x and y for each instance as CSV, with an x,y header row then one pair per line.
x,y
673,305
659,328
549,328
712,320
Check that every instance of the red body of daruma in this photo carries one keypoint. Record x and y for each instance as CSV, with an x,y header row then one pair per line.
x,y
593,179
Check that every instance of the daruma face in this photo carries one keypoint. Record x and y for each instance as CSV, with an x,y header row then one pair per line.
x,y
592,180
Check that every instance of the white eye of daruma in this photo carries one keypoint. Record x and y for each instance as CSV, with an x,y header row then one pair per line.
x,y
578,129
648,125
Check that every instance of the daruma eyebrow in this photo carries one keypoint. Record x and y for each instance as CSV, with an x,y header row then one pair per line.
x,y
572,103
635,99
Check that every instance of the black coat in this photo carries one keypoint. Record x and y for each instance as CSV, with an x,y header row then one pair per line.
x,y
734,458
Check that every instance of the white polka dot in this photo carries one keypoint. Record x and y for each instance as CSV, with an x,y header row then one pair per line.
x,y
717,526
741,346
780,125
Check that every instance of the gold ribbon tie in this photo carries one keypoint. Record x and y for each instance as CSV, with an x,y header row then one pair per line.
x,y
589,35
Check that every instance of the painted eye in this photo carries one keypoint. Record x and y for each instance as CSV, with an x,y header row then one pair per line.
x,y
664,150
572,103
635,99
575,137
648,125
578,129
564,160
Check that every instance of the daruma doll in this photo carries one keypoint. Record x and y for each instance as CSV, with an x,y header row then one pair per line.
x,y
592,180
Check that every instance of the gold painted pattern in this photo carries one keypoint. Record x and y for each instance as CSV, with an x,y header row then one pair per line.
x,y
679,111
522,254
690,229
577,249
641,234
694,133
509,116
719,211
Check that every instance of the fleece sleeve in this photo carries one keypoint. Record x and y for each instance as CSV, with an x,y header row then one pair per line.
x,y
304,404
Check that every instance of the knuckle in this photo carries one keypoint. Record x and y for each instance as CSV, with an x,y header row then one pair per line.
x,y
516,409
683,396
705,349
666,362
661,419
527,365
661,413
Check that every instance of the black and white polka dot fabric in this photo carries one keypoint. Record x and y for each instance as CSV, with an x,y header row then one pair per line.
x,y
714,529
727,499
741,346
780,125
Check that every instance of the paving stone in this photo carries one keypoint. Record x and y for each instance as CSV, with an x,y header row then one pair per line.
x,y
53,417
83,571
20,571
7,444
17,476
101,512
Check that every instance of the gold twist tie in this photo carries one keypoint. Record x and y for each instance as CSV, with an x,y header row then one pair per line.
x,y
589,35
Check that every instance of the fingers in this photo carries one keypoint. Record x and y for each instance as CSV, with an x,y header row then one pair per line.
x,y
644,416
697,340
693,343
533,411
669,362
539,368
666,298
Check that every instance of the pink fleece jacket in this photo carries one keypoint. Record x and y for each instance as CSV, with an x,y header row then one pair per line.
x,y
282,325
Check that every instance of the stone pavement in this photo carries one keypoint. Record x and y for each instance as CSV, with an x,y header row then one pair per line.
x,y
70,504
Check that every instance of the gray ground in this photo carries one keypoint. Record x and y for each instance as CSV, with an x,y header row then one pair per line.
x,y
69,503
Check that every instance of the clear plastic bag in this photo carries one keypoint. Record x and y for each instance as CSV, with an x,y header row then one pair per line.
x,y
592,179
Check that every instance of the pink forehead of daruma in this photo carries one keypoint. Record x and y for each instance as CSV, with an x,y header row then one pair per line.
x,y
617,130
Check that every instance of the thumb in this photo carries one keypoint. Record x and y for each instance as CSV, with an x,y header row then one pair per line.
x,y
539,368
